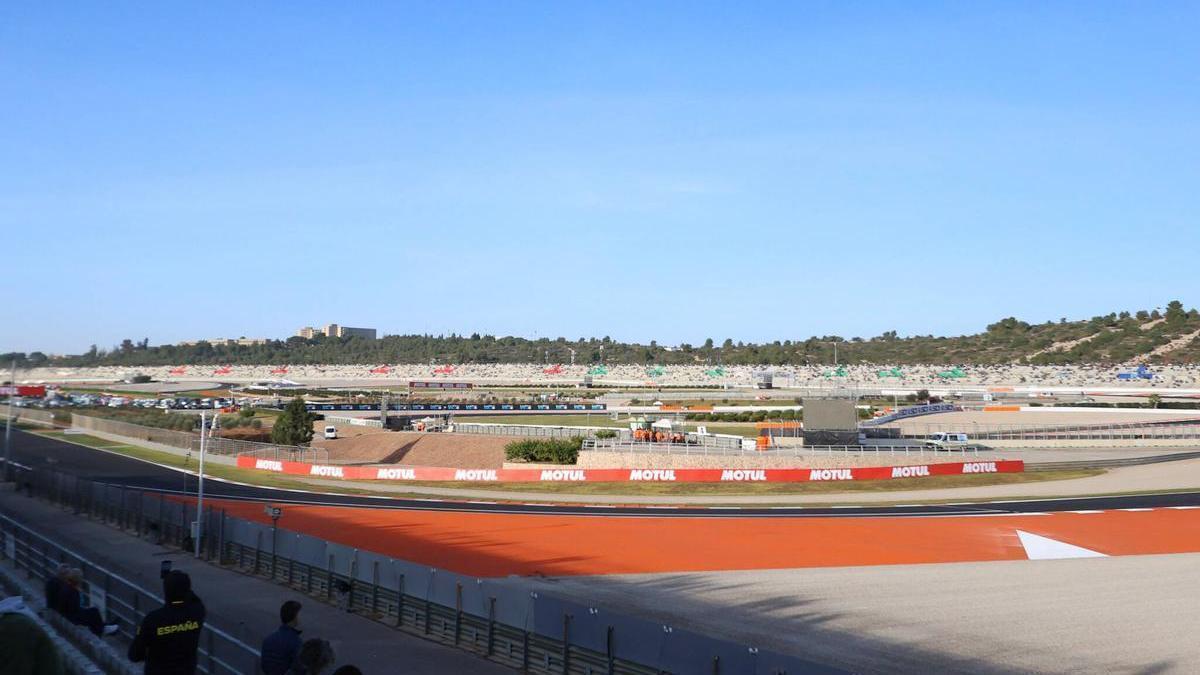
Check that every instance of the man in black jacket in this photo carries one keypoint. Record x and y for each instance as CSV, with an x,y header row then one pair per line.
x,y
169,636
279,649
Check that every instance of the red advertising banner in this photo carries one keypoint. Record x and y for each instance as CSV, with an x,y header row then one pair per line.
x,y
427,473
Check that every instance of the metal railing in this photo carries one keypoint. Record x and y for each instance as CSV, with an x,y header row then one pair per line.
x,y
123,599
795,451
1123,431
496,619
525,430
282,453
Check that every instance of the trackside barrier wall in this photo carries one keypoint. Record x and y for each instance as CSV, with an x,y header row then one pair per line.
x,y
621,475
189,441
33,415
500,619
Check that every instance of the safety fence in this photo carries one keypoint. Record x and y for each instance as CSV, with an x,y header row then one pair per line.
x,y
1124,431
545,431
346,420
910,449
191,442
526,430
503,620
175,439
33,415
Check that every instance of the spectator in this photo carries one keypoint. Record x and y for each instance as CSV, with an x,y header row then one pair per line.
x,y
169,636
279,649
54,586
70,603
348,670
25,649
315,656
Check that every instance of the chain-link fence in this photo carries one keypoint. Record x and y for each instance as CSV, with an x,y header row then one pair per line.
x,y
213,444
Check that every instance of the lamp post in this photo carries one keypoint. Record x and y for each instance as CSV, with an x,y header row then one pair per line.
x,y
199,527
12,391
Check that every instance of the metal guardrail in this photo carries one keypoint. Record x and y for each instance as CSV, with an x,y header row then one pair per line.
x,y
501,622
287,454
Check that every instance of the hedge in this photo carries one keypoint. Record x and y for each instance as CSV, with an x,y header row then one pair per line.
x,y
549,450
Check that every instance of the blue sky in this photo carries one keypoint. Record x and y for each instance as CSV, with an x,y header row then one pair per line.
x,y
673,172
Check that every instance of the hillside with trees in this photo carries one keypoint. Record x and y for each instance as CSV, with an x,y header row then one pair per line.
x,y
1121,337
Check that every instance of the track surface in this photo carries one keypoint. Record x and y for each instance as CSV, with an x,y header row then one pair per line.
x,y
494,540
39,451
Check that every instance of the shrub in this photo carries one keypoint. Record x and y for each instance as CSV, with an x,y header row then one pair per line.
x,y
606,433
550,450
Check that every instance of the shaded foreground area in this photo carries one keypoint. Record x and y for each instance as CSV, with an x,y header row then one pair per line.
x,y
1128,614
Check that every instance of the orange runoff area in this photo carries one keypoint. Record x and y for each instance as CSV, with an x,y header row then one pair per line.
x,y
494,545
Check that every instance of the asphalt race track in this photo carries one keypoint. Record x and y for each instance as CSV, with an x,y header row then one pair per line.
x,y
38,451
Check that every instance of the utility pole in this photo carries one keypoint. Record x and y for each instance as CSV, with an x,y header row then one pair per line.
x,y
12,386
200,488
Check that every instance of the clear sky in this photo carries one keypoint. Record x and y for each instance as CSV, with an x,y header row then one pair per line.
x,y
674,172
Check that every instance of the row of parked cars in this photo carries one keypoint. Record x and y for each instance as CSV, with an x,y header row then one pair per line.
x,y
69,400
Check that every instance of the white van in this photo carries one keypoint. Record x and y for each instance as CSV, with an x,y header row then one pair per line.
x,y
945,441
330,431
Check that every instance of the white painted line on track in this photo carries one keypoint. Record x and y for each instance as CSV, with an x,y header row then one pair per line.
x,y
1086,511
1038,547
1135,510
1183,508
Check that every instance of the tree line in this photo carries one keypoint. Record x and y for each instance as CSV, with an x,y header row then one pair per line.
x,y
1111,338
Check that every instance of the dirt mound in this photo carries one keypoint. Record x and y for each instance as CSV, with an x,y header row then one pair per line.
x,y
466,451
247,434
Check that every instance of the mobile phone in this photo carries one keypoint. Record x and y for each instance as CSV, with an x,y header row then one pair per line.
x,y
164,569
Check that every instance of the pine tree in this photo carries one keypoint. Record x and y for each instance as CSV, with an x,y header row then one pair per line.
x,y
294,426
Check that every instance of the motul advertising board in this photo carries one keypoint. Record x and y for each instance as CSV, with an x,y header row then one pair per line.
x,y
427,473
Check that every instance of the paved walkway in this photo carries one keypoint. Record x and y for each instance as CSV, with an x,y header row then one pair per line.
x,y
247,606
